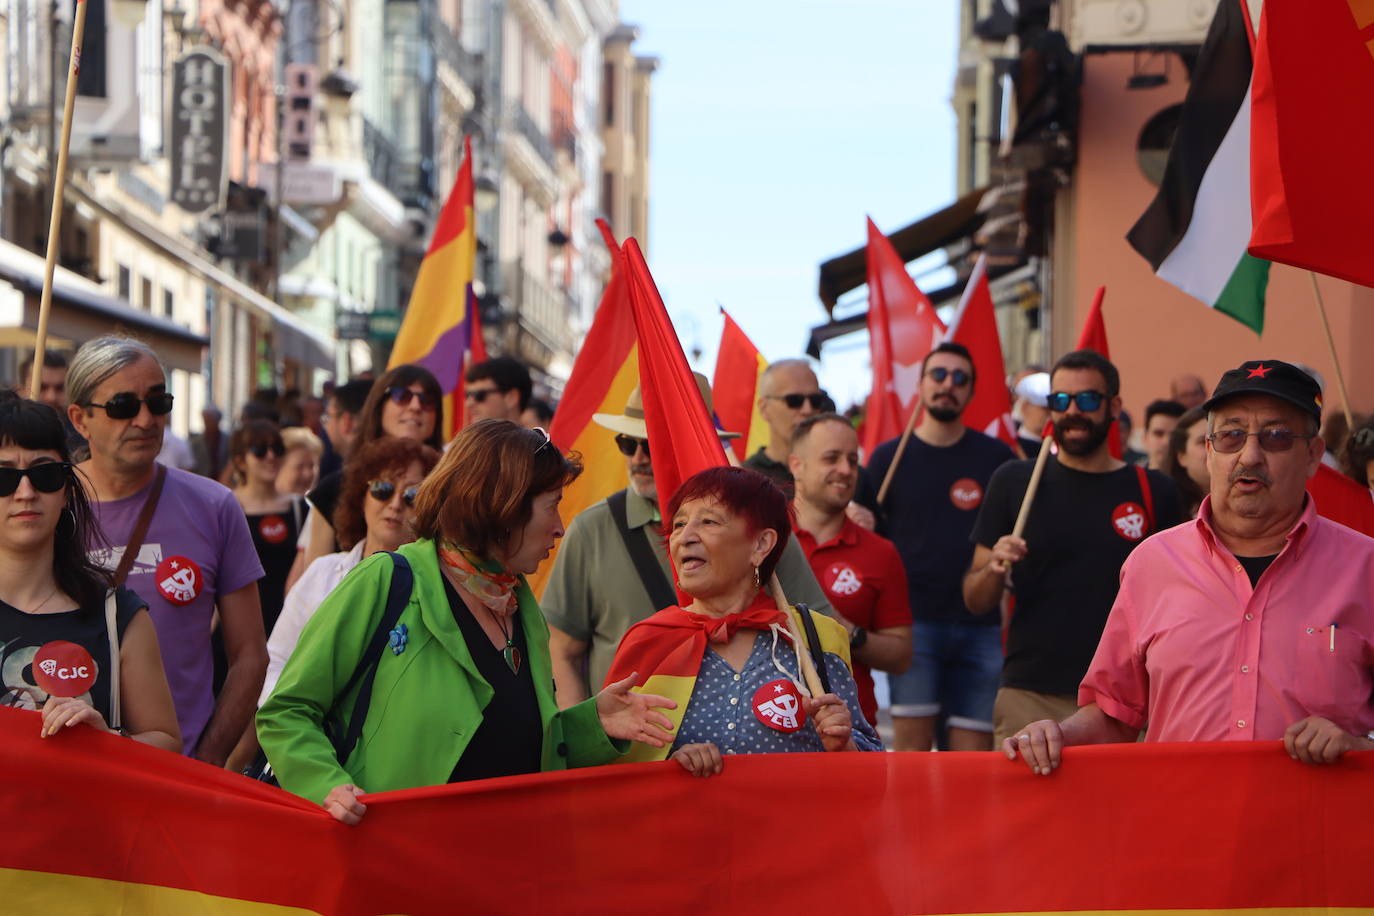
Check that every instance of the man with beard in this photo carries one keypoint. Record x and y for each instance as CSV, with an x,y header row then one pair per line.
x,y
929,513
612,568
1090,512
1251,622
860,571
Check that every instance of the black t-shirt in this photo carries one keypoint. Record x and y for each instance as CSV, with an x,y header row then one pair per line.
x,y
1255,566
1082,526
274,537
929,515
325,496
23,634
510,740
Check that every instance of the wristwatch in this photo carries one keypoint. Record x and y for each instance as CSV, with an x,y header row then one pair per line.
x,y
858,638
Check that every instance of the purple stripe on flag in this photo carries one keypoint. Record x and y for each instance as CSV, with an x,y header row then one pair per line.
x,y
446,359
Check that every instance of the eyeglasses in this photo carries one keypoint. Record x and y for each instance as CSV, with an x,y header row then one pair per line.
x,y
958,376
628,445
1230,441
48,477
402,397
818,401
1087,401
384,490
477,396
126,404
260,450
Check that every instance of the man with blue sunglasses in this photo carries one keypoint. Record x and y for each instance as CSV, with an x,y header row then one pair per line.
x,y
1090,512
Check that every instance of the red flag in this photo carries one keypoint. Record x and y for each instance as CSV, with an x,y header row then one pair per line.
x,y
902,328
975,326
1342,500
682,436
735,387
1094,337
1311,132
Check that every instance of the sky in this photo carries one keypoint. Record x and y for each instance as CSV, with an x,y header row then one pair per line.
x,y
775,128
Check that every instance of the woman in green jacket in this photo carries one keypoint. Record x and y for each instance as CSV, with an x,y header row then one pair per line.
x,y
464,689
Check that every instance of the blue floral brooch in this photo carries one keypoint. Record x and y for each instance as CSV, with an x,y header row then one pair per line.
x,y
398,637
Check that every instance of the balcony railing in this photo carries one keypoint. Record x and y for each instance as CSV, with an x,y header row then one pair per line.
x,y
449,49
544,311
527,128
410,178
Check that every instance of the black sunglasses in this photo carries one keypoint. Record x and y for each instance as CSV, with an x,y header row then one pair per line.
x,y
958,376
384,490
1230,441
402,396
1087,401
126,404
260,450
48,477
480,395
628,445
819,401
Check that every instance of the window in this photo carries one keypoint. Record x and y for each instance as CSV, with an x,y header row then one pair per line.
x,y
608,196
168,303
608,93
1156,138
145,299
126,282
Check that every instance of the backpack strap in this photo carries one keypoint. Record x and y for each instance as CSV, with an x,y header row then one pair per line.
x,y
641,554
1146,497
398,595
813,644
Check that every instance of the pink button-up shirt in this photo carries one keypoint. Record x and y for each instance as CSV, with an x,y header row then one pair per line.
x,y
1195,653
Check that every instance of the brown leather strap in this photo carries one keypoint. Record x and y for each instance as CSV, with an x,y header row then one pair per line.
x,y
145,518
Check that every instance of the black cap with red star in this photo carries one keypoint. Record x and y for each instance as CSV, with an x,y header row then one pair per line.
x,y
1274,378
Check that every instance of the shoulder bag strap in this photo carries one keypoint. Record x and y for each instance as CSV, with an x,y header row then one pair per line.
x,y
1146,497
813,643
402,578
641,554
112,637
145,518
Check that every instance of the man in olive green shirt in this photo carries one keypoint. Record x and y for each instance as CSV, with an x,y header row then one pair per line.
x,y
594,593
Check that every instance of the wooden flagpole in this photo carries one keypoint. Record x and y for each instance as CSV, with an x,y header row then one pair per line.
x,y
1331,347
40,342
808,669
1034,485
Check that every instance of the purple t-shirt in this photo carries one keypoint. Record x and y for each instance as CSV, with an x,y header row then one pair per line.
x,y
197,548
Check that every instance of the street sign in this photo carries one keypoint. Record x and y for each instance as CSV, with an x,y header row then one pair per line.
x,y
303,184
200,129
384,325
353,325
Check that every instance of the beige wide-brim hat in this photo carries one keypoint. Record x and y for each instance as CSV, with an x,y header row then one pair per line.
x,y
631,422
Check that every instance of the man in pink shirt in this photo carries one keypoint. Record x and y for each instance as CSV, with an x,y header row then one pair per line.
x,y
1253,622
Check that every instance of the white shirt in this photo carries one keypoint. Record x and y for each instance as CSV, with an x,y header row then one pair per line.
x,y
301,603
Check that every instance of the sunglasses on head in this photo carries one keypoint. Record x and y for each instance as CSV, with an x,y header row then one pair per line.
x,y
479,395
628,445
958,376
1229,441
260,450
1087,401
48,477
818,401
384,490
402,396
126,404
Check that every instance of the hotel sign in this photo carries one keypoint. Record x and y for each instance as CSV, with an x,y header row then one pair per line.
x,y
200,130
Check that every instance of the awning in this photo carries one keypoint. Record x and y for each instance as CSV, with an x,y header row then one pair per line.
x,y
292,338
944,227
81,311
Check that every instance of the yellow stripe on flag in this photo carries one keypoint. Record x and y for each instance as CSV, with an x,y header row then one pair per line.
x,y
758,433
438,300
676,687
75,895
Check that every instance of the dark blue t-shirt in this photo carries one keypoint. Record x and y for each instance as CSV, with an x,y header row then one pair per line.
x,y
929,514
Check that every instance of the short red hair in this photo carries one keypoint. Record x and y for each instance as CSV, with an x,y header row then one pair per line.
x,y
745,493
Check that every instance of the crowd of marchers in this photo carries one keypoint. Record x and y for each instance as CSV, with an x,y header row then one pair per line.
x,y
332,597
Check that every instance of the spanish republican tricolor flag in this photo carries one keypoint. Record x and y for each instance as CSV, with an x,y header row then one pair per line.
x,y
604,374
438,329
739,367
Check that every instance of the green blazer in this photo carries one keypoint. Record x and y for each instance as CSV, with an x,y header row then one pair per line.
x,y
427,701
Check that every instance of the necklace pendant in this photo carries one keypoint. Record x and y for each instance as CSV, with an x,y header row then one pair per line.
x,y
512,656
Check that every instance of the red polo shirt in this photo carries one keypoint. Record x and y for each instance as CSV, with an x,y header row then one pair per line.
x,y
863,575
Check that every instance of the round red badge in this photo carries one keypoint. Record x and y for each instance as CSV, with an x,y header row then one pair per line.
x,y
63,669
842,579
966,493
179,580
1128,520
272,528
778,705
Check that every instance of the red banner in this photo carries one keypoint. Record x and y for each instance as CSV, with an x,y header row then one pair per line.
x,y
102,824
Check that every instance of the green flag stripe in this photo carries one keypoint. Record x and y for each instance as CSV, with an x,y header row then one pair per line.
x,y
1243,296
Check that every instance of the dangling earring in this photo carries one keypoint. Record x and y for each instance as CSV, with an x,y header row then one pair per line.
x,y
758,582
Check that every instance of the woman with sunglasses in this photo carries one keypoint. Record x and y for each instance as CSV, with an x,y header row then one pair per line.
x,y
256,450
405,403
464,689
55,620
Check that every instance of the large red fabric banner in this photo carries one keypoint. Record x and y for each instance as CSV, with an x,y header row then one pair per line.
x,y
101,824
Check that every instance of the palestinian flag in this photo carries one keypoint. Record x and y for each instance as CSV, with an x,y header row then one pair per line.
x,y
1196,230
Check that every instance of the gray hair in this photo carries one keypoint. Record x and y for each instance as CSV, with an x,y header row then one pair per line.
x,y
101,358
